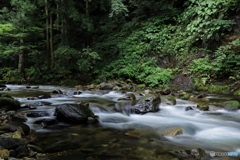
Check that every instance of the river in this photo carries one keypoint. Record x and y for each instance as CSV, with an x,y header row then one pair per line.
x,y
132,136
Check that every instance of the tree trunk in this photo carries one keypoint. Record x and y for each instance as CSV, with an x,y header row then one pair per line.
x,y
21,58
47,33
51,41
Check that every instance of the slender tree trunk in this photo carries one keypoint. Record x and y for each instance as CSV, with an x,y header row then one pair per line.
x,y
47,33
51,41
21,58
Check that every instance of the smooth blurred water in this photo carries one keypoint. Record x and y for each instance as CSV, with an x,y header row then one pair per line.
x,y
217,130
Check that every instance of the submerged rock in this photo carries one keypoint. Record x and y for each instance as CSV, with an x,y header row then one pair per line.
x,y
172,132
148,103
74,113
196,154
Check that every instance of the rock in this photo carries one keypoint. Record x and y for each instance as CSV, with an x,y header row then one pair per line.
x,y
32,98
37,114
169,100
7,89
129,96
3,86
116,88
203,107
77,93
184,96
166,91
44,96
196,154
4,154
148,103
8,103
46,122
172,132
108,86
74,113
188,108
93,87
231,105
11,143
19,118
140,86
58,91
14,125
20,152
35,87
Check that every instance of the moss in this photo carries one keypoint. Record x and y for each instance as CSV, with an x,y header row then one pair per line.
x,y
231,105
217,88
236,93
9,103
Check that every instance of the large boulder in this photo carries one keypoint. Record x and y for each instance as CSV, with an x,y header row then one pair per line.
x,y
74,113
8,103
231,105
147,103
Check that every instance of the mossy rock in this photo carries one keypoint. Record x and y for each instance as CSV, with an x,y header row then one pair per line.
x,y
8,103
185,96
141,86
231,105
236,93
203,107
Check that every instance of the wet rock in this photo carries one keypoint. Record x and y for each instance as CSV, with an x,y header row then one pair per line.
x,y
44,96
188,108
196,154
28,87
32,98
38,104
129,96
7,89
58,91
35,87
231,105
11,143
169,100
148,103
166,91
172,132
20,152
74,113
37,114
108,85
77,93
3,86
203,107
14,125
4,154
9,103
46,122
19,118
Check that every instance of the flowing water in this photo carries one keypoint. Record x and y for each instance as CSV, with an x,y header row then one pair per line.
x,y
119,135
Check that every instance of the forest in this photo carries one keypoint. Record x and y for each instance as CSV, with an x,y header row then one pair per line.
x,y
91,41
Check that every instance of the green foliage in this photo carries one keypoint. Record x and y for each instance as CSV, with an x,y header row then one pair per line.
x,y
118,8
10,75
